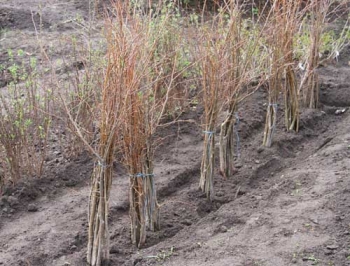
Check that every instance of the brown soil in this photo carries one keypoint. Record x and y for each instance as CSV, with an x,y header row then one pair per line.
x,y
287,205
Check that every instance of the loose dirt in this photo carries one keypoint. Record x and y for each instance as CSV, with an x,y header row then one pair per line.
x,y
287,205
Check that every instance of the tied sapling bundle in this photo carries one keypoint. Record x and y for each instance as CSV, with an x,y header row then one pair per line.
x,y
227,131
309,86
138,159
283,20
129,49
315,41
275,66
104,151
212,70
289,15
111,106
98,242
143,108
244,60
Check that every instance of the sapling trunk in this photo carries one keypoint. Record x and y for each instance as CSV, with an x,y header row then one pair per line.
x,y
291,100
228,138
137,209
311,96
311,89
274,90
144,208
207,167
98,237
152,203
270,124
309,84
152,207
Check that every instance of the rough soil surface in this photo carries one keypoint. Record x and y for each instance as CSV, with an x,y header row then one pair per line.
x,y
287,205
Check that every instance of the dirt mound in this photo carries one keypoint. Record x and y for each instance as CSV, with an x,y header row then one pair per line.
x,y
56,179
335,94
19,19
